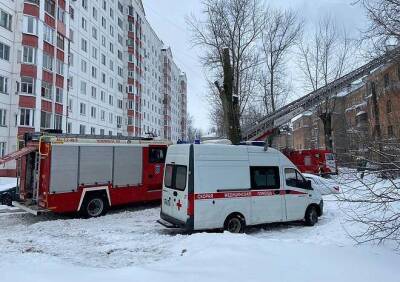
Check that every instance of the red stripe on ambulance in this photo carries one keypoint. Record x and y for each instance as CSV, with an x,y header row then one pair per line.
x,y
230,195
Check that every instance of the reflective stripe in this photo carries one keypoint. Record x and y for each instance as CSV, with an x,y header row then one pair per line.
x,y
258,193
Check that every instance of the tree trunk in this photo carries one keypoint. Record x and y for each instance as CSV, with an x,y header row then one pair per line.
x,y
229,102
327,123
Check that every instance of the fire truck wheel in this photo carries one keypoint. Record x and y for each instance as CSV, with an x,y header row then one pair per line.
x,y
311,217
235,223
94,206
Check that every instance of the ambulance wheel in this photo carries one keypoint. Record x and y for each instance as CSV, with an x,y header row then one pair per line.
x,y
94,206
311,217
235,224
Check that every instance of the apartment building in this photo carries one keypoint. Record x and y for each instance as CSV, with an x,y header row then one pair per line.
x,y
88,67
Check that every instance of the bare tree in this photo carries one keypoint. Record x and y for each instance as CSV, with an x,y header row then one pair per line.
x,y
232,24
322,60
282,31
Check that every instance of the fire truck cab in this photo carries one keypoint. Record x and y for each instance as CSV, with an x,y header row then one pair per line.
x,y
320,162
213,186
87,174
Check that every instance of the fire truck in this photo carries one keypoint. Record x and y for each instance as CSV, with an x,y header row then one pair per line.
x,y
321,162
86,174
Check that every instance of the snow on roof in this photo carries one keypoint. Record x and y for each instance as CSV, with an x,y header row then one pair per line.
x,y
361,113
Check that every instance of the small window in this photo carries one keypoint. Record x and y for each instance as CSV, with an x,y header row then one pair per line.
x,y
168,176
157,155
264,178
295,179
180,178
175,177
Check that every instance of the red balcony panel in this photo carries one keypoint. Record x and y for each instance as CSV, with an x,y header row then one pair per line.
x,y
131,35
131,80
131,96
59,81
47,76
29,70
49,20
60,55
30,40
31,9
131,19
61,3
131,50
48,48
131,113
46,106
131,128
23,130
27,102
61,28
59,109
131,66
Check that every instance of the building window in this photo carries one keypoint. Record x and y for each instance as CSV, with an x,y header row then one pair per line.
x,y
71,59
84,4
82,129
103,77
93,112
94,92
84,45
84,23
58,122
94,72
60,67
26,117
50,7
111,100
3,148
27,85
110,133
102,132
71,12
45,120
30,25
48,34
47,90
120,7
3,116
93,131
102,96
103,41
4,52
120,103
103,22
47,62
119,121
60,14
104,5
388,106
29,55
59,95
69,127
83,87
386,80
111,117
70,105
94,13
83,109
102,115
390,132
111,31
103,59
3,85
94,53
60,41
83,66
94,32
5,20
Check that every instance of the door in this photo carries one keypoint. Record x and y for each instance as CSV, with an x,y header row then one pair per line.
x,y
296,194
267,197
175,192
154,170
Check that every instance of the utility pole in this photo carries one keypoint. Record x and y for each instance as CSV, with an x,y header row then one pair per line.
x,y
230,102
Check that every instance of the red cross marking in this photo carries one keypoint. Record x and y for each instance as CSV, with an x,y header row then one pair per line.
x,y
179,205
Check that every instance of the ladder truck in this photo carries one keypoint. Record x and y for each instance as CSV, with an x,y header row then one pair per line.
x,y
86,174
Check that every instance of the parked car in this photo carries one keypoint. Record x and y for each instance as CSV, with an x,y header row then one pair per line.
x,y
228,187
8,189
325,186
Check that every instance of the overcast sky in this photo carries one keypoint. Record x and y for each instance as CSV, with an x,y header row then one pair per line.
x,y
167,17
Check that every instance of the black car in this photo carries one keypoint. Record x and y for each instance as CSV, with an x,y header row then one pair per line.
x,y
7,196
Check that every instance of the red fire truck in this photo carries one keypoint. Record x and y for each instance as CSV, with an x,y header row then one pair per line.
x,y
86,174
320,162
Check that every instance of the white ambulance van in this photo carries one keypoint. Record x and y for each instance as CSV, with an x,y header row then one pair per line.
x,y
212,186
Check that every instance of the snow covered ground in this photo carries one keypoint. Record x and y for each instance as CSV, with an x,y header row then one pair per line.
x,y
128,245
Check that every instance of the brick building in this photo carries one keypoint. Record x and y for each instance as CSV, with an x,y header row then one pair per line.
x,y
89,67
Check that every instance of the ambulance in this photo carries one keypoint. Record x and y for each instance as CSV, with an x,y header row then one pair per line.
x,y
227,187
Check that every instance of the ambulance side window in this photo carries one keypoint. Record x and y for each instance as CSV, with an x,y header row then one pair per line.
x,y
157,155
264,177
295,179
